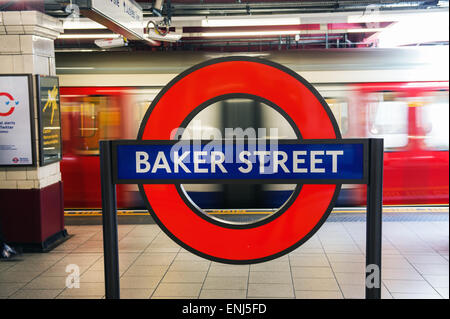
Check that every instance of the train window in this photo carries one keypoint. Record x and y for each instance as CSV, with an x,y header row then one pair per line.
x,y
88,119
88,126
388,119
433,119
339,107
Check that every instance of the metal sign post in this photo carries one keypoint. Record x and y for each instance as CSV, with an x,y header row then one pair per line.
x,y
109,216
374,219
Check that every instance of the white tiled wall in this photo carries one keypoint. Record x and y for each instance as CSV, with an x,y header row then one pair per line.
x,y
26,46
29,177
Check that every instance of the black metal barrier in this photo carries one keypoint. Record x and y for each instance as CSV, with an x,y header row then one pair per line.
x,y
373,221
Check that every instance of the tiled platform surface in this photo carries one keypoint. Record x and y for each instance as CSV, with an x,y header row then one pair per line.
x,y
329,265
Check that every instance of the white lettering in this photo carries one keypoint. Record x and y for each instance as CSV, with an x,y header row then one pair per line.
x,y
178,161
261,155
142,159
315,161
297,161
198,160
334,155
245,161
277,161
217,162
161,162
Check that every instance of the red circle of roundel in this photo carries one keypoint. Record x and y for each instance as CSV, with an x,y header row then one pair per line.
x,y
308,112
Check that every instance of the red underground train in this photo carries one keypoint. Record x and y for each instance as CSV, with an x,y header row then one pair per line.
x,y
411,116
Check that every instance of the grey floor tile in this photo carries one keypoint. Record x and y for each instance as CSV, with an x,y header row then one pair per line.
x,y
46,257
162,249
341,249
174,297
80,297
322,284
313,260
427,259
188,257
270,291
43,282
155,259
358,291
136,270
396,262
133,293
415,264
443,291
184,276
236,283
228,270
400,274
416,296
271,266
348,267
350,278
7,289
432,269
31,267
86,289
62,269
350,258
307,251
408,286
189,266
437,281
223,294
7,265
85,248
177,290
80,259
303,294
312,272
93,276
36,294
139,282
267,277
17,276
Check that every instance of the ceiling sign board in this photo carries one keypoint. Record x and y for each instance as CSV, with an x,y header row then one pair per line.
x,y
124,17
16,121
319,161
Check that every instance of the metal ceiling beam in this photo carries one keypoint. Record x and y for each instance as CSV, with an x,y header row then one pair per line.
x,y
178,8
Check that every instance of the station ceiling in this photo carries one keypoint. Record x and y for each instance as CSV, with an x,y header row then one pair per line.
x,y
255,25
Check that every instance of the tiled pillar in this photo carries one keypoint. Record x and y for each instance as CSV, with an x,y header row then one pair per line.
x,y
31,210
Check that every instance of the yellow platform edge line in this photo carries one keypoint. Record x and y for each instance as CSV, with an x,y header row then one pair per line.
x,y
243,212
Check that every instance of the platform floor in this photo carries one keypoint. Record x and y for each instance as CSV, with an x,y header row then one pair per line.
x,y
329,265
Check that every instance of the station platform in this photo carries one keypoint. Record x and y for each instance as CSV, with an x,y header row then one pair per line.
x,y
330,265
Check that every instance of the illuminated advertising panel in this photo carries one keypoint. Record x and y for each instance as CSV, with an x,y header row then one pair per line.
x,y
16,121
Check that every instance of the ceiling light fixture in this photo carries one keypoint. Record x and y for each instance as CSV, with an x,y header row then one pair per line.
x,y
89,36
249,22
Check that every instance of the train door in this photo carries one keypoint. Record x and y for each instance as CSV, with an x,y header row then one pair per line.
x,y
432,142
403,114
88,115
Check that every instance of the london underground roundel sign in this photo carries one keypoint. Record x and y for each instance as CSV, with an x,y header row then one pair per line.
x,y
299,218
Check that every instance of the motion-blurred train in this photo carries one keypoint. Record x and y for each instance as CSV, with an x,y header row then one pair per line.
x,y
401,95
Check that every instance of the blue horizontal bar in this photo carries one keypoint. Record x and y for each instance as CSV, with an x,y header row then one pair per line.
x,y
212,162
